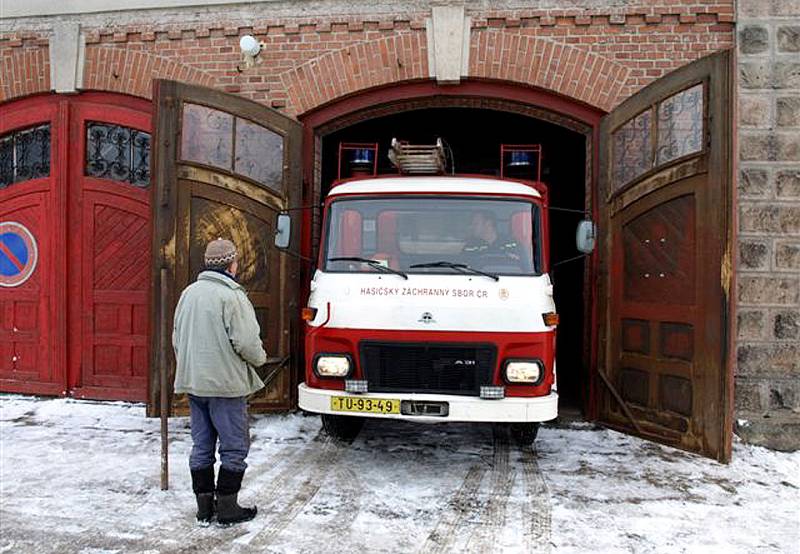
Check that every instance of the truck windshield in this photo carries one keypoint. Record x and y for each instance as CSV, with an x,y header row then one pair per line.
x,y
427,234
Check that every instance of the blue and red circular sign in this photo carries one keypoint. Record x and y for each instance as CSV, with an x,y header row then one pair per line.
x,y
18,254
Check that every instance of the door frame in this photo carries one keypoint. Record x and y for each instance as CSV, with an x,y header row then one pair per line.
x,y
505,96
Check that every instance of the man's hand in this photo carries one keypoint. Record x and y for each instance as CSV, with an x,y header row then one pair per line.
x,y
271,368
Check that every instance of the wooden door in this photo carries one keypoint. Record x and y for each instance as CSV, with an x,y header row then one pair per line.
x,y
225,167
666,186
110,250
32,269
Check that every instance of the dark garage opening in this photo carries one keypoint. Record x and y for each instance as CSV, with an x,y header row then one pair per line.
x,y
475,136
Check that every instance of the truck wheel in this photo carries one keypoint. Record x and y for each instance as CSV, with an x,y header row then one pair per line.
x,y
524,433
343,428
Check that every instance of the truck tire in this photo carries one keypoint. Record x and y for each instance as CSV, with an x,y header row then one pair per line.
x,y
524,433
342,428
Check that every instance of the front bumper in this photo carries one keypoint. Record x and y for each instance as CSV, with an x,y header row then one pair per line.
x,y
461,408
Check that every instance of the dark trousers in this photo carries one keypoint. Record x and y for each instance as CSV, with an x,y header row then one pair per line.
x,y
214,418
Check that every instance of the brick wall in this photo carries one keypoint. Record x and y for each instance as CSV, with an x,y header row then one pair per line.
x,y
768,331
599,54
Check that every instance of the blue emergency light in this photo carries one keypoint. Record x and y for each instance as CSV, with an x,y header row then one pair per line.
x,y
520,159
362,156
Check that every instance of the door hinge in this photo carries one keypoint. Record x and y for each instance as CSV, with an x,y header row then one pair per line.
x,y
726,272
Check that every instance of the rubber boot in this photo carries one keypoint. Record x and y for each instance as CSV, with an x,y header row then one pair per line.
x,y
203,486
228,509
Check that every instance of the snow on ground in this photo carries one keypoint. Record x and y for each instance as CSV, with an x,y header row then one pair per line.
x,y
80,476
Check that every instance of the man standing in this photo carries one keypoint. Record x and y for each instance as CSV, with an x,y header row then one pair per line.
x,y
217,344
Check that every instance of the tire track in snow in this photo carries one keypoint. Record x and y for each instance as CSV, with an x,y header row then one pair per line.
x,y
462,504
24,538
537,511
493,517
349,506
312,474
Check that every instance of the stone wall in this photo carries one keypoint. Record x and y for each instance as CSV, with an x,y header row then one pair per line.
x,y
768,331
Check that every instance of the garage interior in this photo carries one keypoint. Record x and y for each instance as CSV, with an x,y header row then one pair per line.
x,y
474,136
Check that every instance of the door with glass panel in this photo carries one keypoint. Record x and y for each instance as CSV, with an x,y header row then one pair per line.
x,y
109,246
226,167
666,187
32,273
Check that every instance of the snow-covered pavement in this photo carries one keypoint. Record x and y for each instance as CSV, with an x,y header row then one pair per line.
x,y
84,477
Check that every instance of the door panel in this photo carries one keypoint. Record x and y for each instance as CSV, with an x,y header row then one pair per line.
x,y
666,181
110,193
25,353
116,273
32,352
234,166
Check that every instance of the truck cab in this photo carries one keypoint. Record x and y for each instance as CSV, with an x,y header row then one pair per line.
x,y
432,302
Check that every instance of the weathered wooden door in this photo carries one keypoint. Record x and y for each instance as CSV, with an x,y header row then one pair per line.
x,y
225,167
666,187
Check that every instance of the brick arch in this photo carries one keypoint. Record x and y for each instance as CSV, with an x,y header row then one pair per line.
x,y
567,70
562,68
369,64
132,72
25,72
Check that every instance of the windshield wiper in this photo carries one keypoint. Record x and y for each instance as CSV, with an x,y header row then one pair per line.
x,y
375,264
463,268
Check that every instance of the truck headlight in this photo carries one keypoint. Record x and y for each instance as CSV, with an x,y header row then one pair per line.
x,y
333,365
530,372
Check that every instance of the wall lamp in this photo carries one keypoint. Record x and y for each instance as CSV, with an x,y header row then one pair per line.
x,y
251,48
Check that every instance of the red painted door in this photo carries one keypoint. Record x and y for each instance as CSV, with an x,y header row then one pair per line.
x,y
110,251
666,187
74,173
32,357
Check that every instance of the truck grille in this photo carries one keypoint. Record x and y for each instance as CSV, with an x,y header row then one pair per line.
x,y
432,368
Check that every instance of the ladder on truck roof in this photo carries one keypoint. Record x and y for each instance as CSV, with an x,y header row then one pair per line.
x,y
418,159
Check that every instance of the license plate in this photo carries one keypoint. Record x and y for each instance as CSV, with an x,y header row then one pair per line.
x,y
365,405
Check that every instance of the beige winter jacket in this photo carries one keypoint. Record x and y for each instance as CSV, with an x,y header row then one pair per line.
x,y
216,339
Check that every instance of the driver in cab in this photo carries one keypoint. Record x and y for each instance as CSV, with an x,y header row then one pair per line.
x,y
485,240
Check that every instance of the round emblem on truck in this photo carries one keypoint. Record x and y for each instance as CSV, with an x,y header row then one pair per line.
x,y
18,254
426,317
504,294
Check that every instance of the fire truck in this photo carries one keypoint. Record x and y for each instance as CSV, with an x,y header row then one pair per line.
x,y
431,299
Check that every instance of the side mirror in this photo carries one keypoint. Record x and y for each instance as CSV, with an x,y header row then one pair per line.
x,y
283,231
585,236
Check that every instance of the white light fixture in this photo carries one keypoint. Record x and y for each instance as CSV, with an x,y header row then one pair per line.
x,y
489,392
250,48
333,365
524,371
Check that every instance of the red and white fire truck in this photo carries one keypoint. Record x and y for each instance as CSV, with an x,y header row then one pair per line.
x,y
431,300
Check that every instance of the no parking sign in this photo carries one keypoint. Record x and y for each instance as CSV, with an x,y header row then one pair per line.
x,y
18,254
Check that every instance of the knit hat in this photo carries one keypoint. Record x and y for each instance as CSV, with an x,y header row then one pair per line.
x,y
220,253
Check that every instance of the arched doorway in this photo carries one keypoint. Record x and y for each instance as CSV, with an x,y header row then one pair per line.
x,y
475,119
659,358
